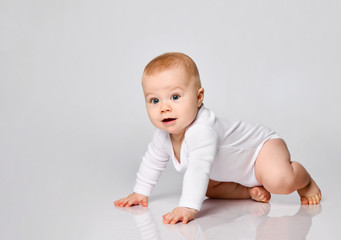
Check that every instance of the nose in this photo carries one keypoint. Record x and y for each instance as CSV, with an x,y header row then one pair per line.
x,y
165,107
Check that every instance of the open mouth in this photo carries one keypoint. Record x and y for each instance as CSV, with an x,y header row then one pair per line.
x,y
167,120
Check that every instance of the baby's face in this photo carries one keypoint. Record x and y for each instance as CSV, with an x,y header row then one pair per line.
x,y
172,99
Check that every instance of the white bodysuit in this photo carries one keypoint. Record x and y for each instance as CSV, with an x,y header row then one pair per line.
x,y
212,148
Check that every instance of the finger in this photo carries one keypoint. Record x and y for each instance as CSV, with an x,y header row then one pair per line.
x,y
132,202
175,220
124,202
165,221
118,203
185,220
144,202
167,218
129,204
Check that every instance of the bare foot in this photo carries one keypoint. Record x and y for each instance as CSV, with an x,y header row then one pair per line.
x,y
259,194
310,194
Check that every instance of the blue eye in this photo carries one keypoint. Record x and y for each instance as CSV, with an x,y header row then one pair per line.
x,y
155,100
175,97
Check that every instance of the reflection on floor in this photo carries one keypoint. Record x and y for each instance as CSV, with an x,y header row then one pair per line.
x,y
233,219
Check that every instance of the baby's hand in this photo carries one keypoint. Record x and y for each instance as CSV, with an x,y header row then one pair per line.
x,y
180,214
131,200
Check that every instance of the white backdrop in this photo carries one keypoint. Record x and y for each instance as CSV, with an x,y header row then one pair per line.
x,y
73,124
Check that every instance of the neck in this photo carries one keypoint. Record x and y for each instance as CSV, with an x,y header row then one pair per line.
x,y
177,137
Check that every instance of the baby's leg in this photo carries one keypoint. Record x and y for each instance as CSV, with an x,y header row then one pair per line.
x,y
231,190
278,174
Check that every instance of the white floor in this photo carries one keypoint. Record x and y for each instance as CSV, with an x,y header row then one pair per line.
x,y
78,216
283,218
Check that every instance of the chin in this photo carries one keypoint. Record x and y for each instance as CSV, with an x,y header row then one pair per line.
x,y
175,131
170,131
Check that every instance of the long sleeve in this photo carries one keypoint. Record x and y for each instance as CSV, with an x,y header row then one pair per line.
x,y
202,144
153,163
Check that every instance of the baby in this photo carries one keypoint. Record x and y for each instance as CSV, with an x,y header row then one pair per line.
x,y
219,158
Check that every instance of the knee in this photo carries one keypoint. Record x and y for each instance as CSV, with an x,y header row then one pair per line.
x,y
280,183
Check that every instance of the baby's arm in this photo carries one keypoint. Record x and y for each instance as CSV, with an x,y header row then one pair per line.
x,y
131,200
202,143
153,163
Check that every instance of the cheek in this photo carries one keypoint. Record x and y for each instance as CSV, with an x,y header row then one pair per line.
x,y
151,113
190,111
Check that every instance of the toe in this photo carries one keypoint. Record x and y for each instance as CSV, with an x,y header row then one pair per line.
x,y
304,201
311,201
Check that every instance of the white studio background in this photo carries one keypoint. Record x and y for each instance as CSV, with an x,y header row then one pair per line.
x,y
73,126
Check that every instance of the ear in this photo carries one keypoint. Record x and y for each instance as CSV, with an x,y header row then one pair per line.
x,y
200,96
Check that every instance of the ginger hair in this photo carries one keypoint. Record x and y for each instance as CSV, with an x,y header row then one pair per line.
x,y
171,60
